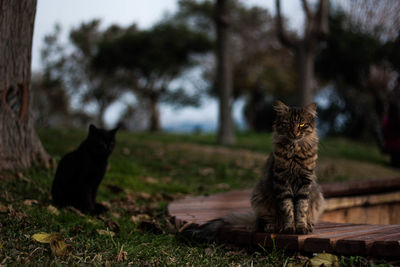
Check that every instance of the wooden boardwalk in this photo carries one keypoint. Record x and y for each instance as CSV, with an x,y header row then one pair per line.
x,y
340,238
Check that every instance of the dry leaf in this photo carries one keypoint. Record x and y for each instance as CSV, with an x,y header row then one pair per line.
x,y
46,237
324,259
166,180
126,151
206,171
92,221
149,180
3,209
59,247
53,210
209,251
29,202
105,232
222,186
76,211
140,217
122,255
144,195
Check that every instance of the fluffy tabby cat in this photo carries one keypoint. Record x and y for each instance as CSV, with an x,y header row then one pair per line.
x,y
287,199
80,172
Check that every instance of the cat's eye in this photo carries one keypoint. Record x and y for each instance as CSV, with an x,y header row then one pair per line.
x,y
301,124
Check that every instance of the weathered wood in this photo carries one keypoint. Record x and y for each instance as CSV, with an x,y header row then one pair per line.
x,y
340,238
364,187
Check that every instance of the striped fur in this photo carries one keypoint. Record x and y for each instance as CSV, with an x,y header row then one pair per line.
x,y
287,198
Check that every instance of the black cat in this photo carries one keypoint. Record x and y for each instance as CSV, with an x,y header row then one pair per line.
x,y
80,172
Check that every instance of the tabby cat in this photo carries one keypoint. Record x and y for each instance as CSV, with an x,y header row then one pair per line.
x,y
287,199
80,172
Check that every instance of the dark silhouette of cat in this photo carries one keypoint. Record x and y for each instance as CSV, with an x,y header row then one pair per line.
x,y
80,172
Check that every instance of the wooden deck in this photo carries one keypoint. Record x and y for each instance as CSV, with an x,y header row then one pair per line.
x,y
340,238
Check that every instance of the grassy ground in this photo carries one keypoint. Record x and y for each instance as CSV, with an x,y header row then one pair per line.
x,y
146,172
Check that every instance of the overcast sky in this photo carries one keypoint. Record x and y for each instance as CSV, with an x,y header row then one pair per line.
x,y
70,13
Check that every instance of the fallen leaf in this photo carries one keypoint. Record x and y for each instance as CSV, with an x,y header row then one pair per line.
x,y
29,202
105,232
139,217
166,180
222,186
122,255
126,151
324,259
209,251
60,248
116,215
149,180
76,211
206,171
53,210
92,221
3,209
46,237
144,195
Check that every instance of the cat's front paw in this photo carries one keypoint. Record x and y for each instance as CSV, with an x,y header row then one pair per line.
x,y
303,229
289,229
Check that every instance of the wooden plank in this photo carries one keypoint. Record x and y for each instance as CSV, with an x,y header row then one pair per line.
x,y
327,242
362,244
353,188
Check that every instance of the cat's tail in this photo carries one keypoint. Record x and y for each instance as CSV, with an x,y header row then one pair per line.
x,y
209,231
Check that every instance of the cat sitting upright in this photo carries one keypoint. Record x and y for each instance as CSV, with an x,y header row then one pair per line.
x,y
80,172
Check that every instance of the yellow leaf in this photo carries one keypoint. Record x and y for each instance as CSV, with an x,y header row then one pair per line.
x,y
105,232
45,237
91,221
324,259
60,248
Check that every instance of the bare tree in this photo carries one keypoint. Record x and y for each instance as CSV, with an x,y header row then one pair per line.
x,y
19,143
316,28
224,73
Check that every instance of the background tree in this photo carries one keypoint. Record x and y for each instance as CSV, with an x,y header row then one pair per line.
x,y
100,89
305,48
19,143
51,98
148,61
358,68
262,68
224,80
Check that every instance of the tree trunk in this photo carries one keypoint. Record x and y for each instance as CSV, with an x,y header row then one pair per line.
x,y
154,114
19,143
306,74
224,74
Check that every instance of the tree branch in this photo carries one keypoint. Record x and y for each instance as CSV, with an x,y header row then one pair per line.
x,y
322,18
282,35
307,9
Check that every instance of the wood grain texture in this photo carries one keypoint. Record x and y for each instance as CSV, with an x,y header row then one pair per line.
x,y
333,237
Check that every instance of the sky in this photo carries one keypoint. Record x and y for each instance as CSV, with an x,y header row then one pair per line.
x,y
70,13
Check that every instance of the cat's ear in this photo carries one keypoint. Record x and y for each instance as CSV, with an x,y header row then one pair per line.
x,y
312,109
280,107
92,129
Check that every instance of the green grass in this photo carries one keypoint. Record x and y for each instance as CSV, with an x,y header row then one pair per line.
x,y
165,166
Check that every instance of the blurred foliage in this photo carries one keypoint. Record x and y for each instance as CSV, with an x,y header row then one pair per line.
x,y
358,70
149,60
261,66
